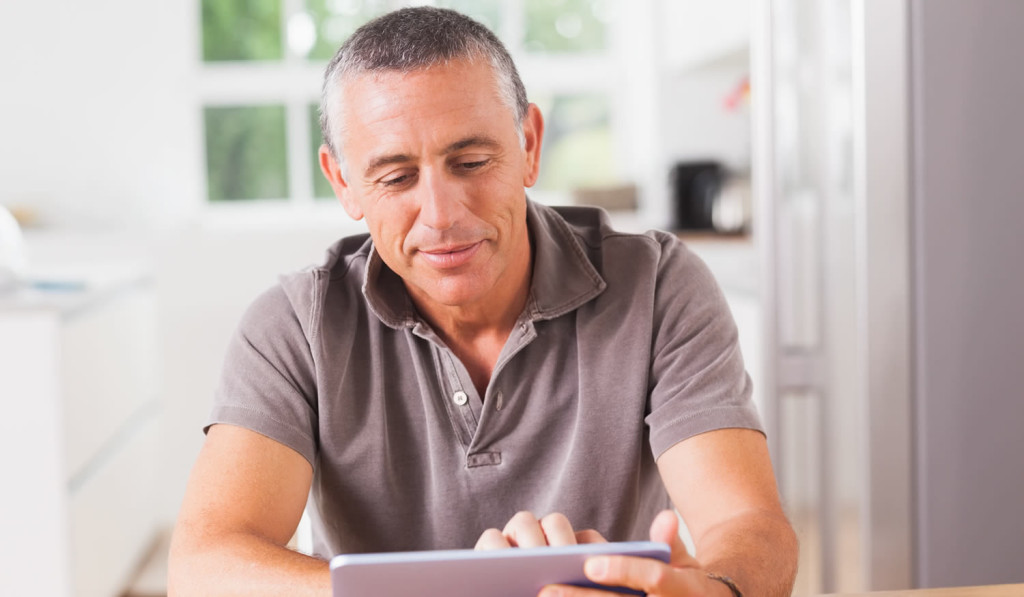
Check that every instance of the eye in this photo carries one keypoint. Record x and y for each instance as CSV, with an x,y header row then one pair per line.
x,y
397,179
472,164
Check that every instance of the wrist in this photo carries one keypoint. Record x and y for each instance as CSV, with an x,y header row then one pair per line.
x,y
730,585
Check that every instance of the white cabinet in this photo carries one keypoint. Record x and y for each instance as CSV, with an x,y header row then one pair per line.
x,y
78,435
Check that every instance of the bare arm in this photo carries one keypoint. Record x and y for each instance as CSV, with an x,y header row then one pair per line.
x,y
723,486
243,503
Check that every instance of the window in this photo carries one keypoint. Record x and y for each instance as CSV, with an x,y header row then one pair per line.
x,y
263,60
565,26
245,149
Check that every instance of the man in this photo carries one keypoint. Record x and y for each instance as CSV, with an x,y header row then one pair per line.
x,y
475,360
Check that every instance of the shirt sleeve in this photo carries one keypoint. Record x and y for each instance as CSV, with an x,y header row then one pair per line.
x,y
268,381
698,380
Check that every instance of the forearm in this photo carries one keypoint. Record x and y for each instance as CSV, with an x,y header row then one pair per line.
x,y
758,550
242,564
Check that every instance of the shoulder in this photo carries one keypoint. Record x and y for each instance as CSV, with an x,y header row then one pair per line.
x,y
652,252
298,297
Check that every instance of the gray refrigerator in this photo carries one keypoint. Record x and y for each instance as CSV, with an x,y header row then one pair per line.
x,y
889,177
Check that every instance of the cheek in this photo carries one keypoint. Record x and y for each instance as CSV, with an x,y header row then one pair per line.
x,y
510,176
503,193
508,198
389,226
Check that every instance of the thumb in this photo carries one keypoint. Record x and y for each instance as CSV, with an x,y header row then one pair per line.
x,y
665,529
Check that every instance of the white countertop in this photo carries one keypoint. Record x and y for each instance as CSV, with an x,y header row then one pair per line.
x,y
69,271
72,290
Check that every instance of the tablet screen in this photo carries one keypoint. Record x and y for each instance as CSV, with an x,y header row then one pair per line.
x,y
516,572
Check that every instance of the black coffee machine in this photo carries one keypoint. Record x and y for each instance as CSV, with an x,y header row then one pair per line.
x,y
695,188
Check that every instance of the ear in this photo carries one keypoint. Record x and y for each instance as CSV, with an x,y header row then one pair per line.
x,y
329,166
533,133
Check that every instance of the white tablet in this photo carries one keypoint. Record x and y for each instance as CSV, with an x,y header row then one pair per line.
x,y
517,572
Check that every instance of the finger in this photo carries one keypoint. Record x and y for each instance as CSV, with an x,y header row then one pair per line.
x,y
491,539
523,530
651,576
590,536
665,529
557,529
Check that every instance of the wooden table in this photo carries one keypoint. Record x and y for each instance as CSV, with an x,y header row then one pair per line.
x,y
986,591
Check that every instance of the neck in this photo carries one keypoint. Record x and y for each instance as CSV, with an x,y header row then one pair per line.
x,y
477,332
493,315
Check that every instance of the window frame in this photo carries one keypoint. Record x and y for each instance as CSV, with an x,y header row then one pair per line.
x,y
295,82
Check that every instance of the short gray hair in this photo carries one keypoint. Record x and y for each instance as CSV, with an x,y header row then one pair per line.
x,y
412,39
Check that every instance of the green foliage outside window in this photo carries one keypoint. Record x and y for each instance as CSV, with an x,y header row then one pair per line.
x,y
245,152
242,30
486,12
321,188
565,25
337,19
577,149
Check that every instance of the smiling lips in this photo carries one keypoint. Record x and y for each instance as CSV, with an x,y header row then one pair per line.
x,y
450,257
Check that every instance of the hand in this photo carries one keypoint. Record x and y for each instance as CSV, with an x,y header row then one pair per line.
x,y
681,577
524,530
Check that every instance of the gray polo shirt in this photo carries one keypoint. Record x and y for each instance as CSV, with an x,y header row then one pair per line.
x,y
625,347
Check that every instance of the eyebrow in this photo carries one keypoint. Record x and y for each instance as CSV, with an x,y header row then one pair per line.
x,y
385,160
398,158
473,141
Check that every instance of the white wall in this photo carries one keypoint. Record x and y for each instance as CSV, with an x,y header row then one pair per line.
x,y
705,48
97,124
100,133
698,124
697,31
206,278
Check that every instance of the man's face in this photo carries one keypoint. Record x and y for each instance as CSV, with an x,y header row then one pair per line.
x,y
435,165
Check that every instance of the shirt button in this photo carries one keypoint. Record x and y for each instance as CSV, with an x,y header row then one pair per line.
x,y
460,398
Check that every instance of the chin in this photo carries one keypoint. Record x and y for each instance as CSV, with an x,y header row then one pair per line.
x,y
456,299
452,293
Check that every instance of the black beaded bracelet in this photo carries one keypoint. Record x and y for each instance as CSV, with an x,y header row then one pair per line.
x,y
725,580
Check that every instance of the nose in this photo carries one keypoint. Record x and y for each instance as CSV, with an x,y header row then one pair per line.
x,y
439,201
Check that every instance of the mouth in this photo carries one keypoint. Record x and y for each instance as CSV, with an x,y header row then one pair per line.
x,y
449,257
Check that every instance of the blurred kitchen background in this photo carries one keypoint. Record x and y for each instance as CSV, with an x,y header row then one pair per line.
x,y
848,168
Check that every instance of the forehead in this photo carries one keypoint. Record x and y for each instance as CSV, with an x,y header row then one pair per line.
x,y
438,101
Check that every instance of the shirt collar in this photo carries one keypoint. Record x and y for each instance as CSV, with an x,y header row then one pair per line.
x,y
563,277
